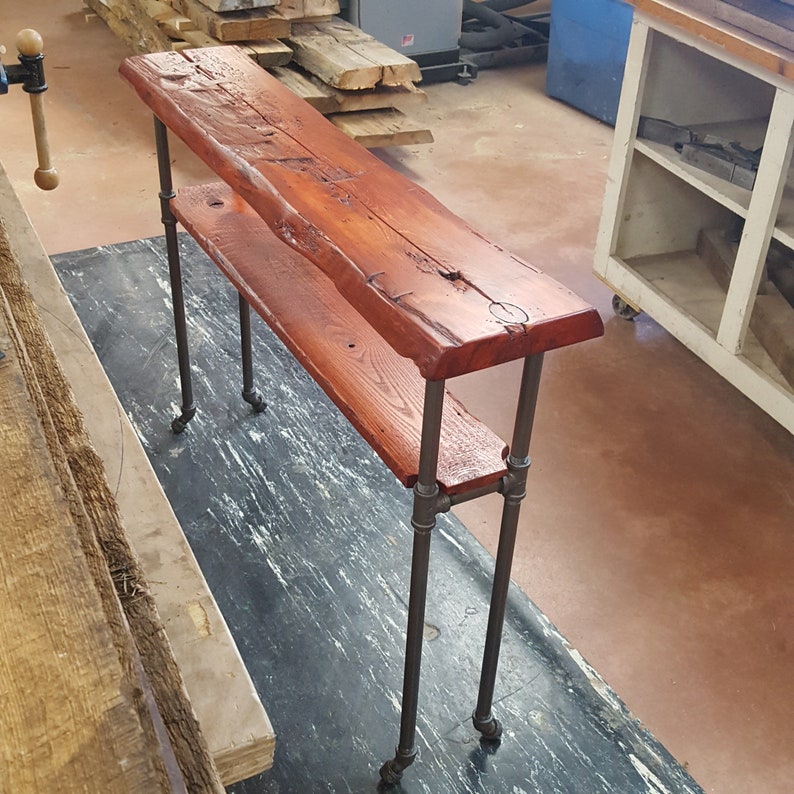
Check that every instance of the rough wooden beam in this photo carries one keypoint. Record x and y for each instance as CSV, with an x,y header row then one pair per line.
x,y
63,674
375,128
269,53
253,25
327,99
166,17
345,57
128,20
233,720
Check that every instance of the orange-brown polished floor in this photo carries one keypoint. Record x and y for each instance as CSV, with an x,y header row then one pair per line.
x,y
659,529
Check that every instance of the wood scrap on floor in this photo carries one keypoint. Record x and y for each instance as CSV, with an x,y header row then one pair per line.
x,y
132,24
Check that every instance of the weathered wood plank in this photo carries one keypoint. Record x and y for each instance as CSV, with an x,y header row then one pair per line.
x,y
320,96
327,99
233,721
439,292
377,390
69,719
131,24
252,25
101,533
166,17
190,39
269,53
345,57
377,128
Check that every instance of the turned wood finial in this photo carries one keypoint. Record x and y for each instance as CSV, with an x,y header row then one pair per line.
x,y
29,42
30,45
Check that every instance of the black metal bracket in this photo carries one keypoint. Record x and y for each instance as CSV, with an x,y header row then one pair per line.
x,y
29,72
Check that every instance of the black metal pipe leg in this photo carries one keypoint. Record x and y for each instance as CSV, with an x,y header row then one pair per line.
x,y
405,753
188,409
514,492
426,506
250,394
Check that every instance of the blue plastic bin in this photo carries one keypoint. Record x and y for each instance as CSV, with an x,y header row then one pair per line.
x,y
587,54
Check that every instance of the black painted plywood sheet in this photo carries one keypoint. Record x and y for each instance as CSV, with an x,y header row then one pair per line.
x,y
304,538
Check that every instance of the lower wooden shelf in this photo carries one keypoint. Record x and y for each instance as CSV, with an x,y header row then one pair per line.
x,y
679,291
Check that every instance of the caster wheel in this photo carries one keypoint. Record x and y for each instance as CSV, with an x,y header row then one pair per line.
x,y
255,399
390,776
490,729
178,426
622,309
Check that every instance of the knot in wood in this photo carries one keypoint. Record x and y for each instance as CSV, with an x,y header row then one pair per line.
x,y
508,313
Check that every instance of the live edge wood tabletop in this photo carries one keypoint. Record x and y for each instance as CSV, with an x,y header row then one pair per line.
x,y
377,289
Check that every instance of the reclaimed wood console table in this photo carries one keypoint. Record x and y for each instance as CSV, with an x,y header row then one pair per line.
x,y
380,293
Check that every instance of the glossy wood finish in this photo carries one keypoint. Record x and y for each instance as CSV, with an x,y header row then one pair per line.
x,y
436,290
378,391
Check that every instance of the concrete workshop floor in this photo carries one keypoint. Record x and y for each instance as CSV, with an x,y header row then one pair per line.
x,y
659,530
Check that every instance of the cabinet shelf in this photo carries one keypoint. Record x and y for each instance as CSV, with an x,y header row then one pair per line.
x,y
659,209
683,280
733,197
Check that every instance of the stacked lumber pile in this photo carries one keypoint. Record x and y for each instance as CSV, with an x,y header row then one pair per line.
x,y
362,85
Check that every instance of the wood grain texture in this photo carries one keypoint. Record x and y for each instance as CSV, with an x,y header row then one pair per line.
x,y
130,607
436,290
307,9
379,392
378,128
69,720
250,25
268,53
233,721
327,99
131,24
345,57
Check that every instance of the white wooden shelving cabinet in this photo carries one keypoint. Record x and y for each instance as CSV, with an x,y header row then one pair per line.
x,y
656,206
